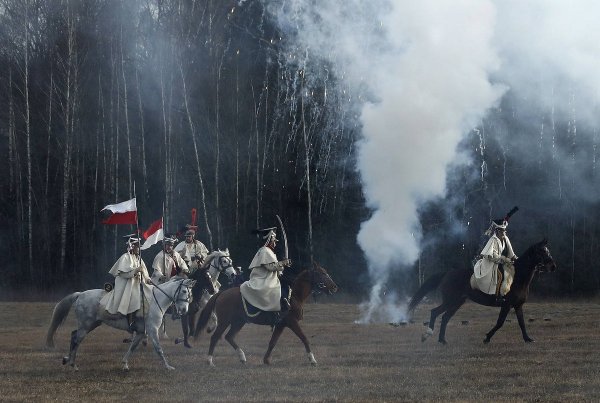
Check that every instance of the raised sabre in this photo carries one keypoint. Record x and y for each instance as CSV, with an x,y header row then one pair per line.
x,y
285,243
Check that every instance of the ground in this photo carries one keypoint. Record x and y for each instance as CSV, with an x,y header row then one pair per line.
x,y
377,362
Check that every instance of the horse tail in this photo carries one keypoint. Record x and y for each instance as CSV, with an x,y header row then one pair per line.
x,y
429,285
61,310
205,314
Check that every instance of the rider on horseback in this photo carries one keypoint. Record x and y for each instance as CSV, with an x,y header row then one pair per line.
x,y
191,250
498,251
264,290
131,276
168,263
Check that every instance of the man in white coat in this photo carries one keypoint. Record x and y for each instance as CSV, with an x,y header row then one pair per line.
x,y
131,276
168,262
263,290
192,251
497,252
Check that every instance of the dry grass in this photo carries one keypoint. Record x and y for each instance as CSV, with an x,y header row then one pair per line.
x,y
356,362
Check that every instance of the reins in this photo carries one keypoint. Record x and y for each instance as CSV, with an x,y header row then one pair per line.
x,y
173,299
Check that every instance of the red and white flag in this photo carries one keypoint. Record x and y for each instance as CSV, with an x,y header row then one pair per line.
x,y
122,213
154,234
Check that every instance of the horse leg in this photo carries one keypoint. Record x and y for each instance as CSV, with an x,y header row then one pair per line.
x,y
295,327
519,312
214,339
77,337
230,337
163,327
274,338
153,333
501,318
435,312
212,323
134,343
445,319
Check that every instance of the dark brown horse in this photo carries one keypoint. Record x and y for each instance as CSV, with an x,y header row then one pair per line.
x,y
230,312
455,287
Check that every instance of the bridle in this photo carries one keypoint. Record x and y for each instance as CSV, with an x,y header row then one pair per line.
x,y
175,299
220,266
317,282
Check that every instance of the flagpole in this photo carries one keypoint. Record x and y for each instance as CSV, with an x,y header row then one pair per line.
x,y
137,231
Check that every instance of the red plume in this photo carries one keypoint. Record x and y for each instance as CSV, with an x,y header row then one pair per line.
x,y
193,217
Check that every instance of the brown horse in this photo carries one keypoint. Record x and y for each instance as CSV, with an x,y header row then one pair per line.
x,y
455,287
230,312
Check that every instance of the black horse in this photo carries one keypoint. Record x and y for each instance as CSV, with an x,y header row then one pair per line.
x,y
455,287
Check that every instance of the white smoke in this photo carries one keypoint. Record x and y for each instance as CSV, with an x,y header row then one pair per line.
x,y
550,51
432,70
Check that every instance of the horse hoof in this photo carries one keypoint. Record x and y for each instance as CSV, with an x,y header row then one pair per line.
x,y
486,340
65,359
529,340
266,361
188,345
177,341
75,367
443,342
311,358
170,368
126,368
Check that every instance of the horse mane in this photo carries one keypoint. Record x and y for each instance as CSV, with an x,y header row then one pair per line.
x,y
211,256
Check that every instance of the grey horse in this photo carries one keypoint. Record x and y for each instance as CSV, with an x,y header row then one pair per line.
x,y
90,315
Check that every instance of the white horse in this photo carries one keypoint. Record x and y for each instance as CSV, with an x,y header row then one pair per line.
x,y
90,315
216,262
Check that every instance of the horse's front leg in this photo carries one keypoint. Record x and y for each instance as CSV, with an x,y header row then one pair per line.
x,y
501,318
519,312
295,327
274,338
134,343
153,333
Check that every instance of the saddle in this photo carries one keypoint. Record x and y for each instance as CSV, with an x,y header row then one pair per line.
x,y
268,317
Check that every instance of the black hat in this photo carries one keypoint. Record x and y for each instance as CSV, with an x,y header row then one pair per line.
x,y
268,234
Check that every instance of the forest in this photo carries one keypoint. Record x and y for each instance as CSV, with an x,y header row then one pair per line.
x,y
215,105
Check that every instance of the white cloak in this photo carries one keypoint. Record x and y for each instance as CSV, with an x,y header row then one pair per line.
x,y
486,268
189,250
263,290
126,296
163,266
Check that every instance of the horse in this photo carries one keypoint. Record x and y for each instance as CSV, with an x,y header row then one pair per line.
x,y
455,287
90,315
231,313
215,263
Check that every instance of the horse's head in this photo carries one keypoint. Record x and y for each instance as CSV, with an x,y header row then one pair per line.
x,y
321,281
542,257
179,291
221,263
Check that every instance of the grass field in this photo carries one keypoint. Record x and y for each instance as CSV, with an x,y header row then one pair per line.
x,y
356,362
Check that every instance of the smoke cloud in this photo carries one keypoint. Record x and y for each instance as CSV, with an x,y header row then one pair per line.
x,y
425,74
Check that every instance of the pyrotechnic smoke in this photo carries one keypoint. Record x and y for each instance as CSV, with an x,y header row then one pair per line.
x,y
426,73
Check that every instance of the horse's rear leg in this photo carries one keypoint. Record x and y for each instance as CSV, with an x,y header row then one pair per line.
x,y
501,318
214,339
446,318
295,327
277,331
77,337
435,312
230,337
